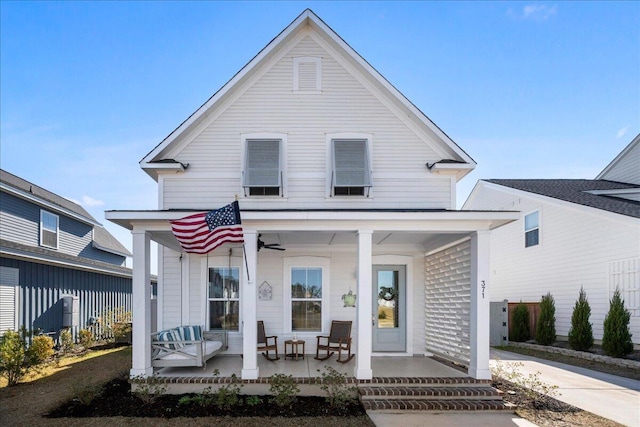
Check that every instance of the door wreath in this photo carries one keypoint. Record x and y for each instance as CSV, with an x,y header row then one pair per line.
x,y
388,293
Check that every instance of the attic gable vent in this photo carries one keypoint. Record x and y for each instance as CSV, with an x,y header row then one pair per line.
x,y
307,76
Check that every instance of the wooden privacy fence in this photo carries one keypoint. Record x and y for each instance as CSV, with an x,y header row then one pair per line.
x,y
534,314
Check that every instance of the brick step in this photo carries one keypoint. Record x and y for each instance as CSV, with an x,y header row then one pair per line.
x,y
434,405
429,393
433,381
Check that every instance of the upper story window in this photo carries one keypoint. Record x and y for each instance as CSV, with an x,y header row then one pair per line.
x,y
307,74
48,229
351,174
532,229
263,160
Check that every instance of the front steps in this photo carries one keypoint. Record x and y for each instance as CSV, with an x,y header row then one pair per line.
x,y
430,394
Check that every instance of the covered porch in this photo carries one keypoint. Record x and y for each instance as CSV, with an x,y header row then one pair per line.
x,y
353,242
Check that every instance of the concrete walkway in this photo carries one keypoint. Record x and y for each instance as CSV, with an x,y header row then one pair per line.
x,y
612,397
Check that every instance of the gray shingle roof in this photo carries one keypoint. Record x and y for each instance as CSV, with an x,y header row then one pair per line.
x,y
576,191
101,236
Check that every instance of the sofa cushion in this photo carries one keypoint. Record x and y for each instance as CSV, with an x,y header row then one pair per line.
x,y
171,337
190,333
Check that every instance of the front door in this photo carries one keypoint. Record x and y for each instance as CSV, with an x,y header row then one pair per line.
x,y
389,303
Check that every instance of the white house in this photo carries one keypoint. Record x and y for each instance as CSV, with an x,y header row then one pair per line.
x,y
327,159
572,233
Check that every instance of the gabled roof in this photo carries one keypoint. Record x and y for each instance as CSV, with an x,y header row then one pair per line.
x,y
578,191
22,188
619,157
307,19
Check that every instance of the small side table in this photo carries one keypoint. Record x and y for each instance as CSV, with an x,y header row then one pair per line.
x,y
295,346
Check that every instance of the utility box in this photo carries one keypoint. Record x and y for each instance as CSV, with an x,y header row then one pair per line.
x,y
70,311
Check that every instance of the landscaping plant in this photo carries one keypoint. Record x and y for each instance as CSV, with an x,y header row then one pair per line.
x,y
520,330
616,340
17,358
284,389
546,327
85,337
66,341
581,331
334,384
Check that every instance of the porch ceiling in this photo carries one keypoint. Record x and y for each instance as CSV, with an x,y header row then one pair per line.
x,y
307,239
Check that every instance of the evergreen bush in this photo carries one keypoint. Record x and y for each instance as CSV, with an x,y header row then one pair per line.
x,y
616,340
520,330
546,327
581,332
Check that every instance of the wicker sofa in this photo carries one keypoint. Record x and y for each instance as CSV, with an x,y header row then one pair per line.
x,y
186,346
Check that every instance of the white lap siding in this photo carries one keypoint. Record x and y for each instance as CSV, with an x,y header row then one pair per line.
x,y
447,302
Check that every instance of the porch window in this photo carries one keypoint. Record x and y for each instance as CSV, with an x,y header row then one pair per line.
x,y
262,174
306,299
48,229
351,175
224,298
531,229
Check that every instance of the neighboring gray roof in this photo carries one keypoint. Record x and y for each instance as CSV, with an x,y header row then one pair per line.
x,y
26,186
106,242
102,238
576,191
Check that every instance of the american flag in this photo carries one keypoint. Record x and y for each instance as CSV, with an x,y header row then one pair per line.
x,y
203,232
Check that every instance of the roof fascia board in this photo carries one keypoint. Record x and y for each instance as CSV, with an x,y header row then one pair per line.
x,y
390,88
298,22
46,204
341,220
611,216
112,251
617,191
619,157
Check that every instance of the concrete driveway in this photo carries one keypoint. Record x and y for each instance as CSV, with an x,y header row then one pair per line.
x,y
612,397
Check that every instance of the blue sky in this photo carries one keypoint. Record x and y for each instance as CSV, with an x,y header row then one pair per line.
x,y
528,89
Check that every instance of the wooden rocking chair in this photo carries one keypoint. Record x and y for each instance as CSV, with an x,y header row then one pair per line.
x,y
339,340
264,345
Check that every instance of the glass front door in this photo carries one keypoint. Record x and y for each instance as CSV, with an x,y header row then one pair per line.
x,y
389,302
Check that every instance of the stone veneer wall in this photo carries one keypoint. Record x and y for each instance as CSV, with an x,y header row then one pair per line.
x,y
448,302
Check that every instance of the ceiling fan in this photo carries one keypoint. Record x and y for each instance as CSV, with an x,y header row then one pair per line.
x,y
273,246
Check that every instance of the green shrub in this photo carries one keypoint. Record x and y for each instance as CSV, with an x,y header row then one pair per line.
x,y
228,395
520,329
17,359
616,340
284,389
581,331
148,389
546,327
85,337
66,341
334,384
40,350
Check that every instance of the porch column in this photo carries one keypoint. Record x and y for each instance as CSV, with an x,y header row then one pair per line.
x,y
363,369
479,322
141,304
249,307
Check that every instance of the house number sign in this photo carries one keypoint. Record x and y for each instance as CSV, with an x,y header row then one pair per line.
x,y
483,285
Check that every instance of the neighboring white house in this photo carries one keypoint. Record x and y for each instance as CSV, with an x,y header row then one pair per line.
x,y
572,233
329,160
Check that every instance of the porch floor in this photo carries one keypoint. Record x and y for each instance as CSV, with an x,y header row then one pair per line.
x,y
388,366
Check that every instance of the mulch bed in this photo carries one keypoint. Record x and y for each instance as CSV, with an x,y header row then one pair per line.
x,y
116,399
